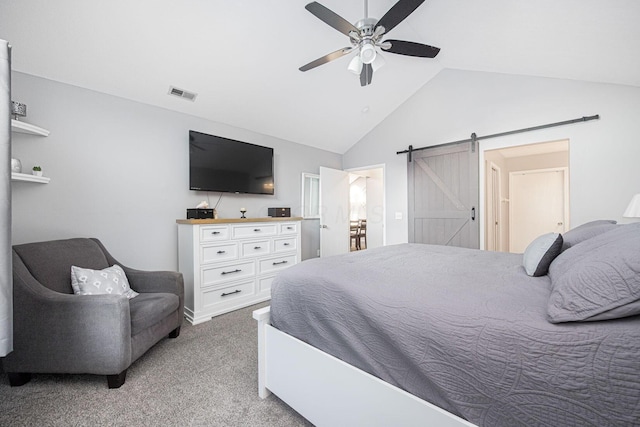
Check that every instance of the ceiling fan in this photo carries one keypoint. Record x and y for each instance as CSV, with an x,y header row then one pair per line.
x,y
366,35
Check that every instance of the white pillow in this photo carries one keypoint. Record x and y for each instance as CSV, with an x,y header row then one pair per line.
x,y
111,280
539,254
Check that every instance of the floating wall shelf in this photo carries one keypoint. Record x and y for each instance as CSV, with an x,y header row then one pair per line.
x,y
29,178
23,127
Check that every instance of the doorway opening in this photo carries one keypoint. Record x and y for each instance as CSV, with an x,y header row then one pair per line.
x,y
366,211
526,194
353,195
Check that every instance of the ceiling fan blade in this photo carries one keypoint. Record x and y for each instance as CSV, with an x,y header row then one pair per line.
x,y
398,13
331,18
402,47
327,58
366,75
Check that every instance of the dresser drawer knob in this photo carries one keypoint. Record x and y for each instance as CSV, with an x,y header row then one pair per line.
x,y
215,232
224,294
222,252
281,262
257,248
257,229
286,244
231,272
289,228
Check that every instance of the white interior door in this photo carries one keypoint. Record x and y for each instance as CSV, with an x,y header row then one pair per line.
x,y
538,204
334,212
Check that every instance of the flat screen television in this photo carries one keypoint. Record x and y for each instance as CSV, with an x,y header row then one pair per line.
x,y
226,165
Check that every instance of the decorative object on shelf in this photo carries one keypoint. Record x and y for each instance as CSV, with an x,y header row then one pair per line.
x,y
16,165
243,211
18,109
37,171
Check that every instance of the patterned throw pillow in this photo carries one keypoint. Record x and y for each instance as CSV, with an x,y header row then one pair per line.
x,y
111,280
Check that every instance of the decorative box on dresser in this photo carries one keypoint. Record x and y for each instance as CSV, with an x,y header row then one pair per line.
x,y
228,264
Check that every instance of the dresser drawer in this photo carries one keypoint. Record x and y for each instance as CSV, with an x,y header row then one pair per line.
x,y
255,248
211,297
215,253
275,264
254,231
214,233
288,228
216,275
283,245
264,283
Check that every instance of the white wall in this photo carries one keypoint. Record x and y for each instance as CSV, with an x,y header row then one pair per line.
x,y
119,172
603,153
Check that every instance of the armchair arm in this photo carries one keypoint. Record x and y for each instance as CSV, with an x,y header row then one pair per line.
x,y
149,281
66,333
155,281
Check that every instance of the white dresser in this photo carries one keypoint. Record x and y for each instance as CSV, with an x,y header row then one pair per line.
x,y
230,263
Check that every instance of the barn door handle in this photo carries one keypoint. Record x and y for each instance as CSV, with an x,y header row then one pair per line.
x,y
473,213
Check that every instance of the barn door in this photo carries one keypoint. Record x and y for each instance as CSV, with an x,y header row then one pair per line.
x,y
443,196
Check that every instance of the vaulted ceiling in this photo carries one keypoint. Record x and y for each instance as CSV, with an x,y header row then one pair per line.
x,y
242,57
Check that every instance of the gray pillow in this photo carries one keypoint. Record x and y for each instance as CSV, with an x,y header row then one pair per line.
x,y
598,279
111,280
539,254
586,231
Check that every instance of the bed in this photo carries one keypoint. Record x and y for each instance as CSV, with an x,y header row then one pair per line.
x,y
417,334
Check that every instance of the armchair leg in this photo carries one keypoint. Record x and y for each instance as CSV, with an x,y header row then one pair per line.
x,y
175,333
16,379
115,381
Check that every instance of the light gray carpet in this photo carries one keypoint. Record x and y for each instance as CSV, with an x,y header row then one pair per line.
x,y
208,376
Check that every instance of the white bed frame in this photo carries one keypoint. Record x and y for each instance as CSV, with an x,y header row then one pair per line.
x,y
329,392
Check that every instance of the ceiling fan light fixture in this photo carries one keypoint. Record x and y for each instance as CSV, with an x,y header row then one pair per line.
x,y
367,53
378,62
355,66
366,34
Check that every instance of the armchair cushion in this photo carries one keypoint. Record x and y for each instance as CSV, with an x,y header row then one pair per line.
x,y
147,309
111,280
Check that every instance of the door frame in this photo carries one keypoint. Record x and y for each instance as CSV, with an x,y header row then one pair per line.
x,y
506,143
494,198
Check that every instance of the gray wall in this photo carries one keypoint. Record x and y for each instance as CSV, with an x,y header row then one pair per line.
x,y
603,154
119,172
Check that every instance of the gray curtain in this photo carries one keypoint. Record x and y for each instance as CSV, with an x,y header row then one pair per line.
x,y
6,285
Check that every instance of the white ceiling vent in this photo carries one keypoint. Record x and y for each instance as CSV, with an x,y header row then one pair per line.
x,y
182,93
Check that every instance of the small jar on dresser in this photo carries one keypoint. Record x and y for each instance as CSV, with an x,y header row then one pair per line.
x,y
228,264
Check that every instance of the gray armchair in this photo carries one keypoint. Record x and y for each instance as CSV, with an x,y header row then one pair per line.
x,y
55,331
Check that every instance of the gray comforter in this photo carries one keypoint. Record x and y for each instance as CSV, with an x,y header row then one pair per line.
x,y
466,330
